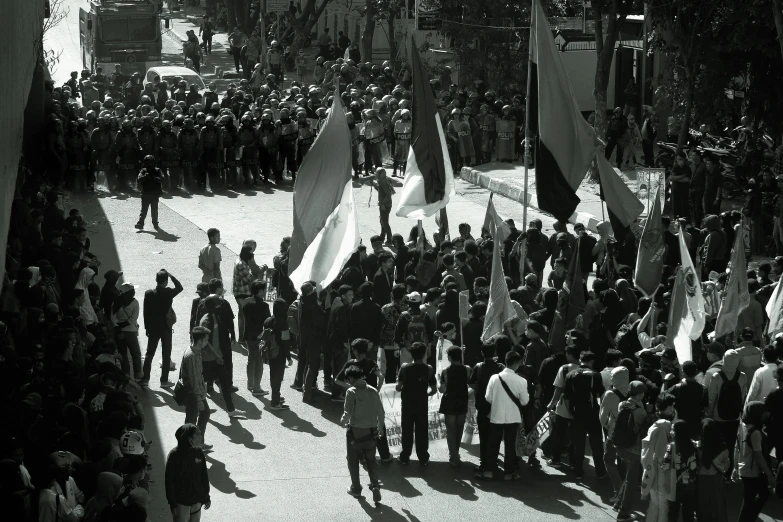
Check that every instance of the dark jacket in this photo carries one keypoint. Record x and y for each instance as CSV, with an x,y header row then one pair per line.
x,y
366,321
151,182
255,311
339,331
226,317
187,482
382,287
312,322
157,303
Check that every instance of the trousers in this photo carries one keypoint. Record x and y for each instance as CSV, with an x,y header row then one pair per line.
x,y
217,372
414,422
455,424
276,374
149,203
589,428
386,232
361,451
197,412
164,337
507,433
255,365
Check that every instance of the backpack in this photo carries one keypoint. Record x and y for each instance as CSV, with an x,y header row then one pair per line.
x,y
578,392
191,49
293,317
612,420
627,340
625,434
730,399
417,332
269,348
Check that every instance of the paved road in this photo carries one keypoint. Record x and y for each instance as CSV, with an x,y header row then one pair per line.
x,y
291,465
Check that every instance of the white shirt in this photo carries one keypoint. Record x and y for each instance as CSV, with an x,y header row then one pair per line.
x,y
763,382
504,411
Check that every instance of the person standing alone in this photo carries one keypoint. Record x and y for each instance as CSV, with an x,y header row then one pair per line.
x,y
209,257
150,181
159,319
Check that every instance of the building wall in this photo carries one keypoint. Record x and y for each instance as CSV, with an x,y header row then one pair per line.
x,y
20,29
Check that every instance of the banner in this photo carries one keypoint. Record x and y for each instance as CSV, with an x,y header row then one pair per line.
x,y
648,182
436,429
464,305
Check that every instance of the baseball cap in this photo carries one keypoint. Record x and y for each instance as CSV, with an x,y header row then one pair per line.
x,y
637,387
414,297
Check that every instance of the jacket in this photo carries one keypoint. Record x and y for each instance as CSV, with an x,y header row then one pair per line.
x,y
366,321
714,248
382,287
151,182
157,303
339,330
312,322
255,311
363,407
187,482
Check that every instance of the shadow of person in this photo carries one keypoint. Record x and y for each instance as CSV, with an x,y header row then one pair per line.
x,y
237,434
159,399
440,477
161,235
385,513
393,480
221,480
293,422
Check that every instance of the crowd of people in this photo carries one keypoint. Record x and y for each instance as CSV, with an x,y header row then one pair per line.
x,y
256,128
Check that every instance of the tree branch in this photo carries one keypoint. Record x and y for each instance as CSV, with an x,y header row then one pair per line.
x,y
321,8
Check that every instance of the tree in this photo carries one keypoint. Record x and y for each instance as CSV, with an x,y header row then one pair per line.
x,y
614,12
302,25
370,12
684,32
48,59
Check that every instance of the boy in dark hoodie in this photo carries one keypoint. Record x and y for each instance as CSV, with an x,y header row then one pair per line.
x,y
713,254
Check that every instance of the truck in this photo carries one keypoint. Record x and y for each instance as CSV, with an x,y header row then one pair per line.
x,y
126,32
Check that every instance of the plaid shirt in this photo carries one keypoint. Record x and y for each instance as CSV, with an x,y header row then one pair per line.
x,y
242,278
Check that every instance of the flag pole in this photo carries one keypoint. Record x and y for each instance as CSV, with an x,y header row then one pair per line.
x,y
527,128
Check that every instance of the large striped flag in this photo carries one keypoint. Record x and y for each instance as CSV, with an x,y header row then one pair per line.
x,y
326,230
649,259
686,310
737,296
623,205
565,143
500,311
571,303
429,179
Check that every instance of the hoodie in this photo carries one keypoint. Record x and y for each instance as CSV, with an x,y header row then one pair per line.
x,y
662,481
714,249
610,402
362,407
731,361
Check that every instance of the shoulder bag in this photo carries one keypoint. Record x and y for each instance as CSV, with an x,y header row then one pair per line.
x,y
525,446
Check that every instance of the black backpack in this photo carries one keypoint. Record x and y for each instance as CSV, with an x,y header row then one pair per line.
x,y
625,434
730,400
578,391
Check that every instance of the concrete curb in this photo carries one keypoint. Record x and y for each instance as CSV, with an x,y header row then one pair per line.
x,y
517,193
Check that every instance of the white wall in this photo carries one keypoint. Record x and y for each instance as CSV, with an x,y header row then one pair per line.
x,y
580,66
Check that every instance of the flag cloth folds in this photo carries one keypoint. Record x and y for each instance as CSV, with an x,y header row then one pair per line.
x,y
500,311
774,310
686,311
565,143
429,178
501,231
623,205
649,260
325,221
319,186
571,301
737,296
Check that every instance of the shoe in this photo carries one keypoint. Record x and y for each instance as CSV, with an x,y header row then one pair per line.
x,y
354,493
144,383
234,389
626,518
376,494
297,387
424,463
404,461
555,464
279,406
166,384
260,393
387,459
534,463
249,387
511,476
139,225
578,477
236,413
601,476
485,475
206,447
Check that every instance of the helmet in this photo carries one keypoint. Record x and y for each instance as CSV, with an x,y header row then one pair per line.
x,y
248,98
126,124
146,120
271,78
183,84
201,117
376,69
96,106
387,70
273,43
133,442
405,113
198,107
321,111
82,123
145,100
335,67
345,69
355,106
377,91
91,115
166,124
149,159
506,108
189,123
103,121
210,120
386,64
319,60
246,119
456,112
108,101
474,96
266,115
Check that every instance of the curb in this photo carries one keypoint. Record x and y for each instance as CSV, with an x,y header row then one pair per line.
x,y
517,193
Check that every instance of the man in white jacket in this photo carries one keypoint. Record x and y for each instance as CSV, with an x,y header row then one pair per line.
x,y
507,394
